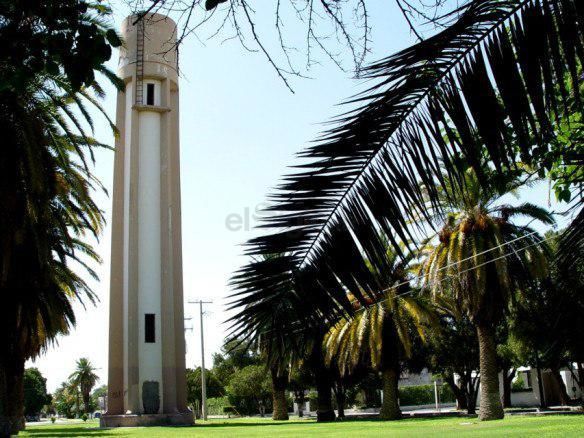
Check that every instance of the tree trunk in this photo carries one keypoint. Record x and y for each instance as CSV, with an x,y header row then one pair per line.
x,y
491,407
564,397
340,397
471,395
461,402
86,397
542,399
324,384
508,377
300,400
4,421
280,404
581,381
324,408
12,393
390,408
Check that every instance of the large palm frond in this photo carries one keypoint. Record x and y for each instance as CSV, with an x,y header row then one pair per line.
x,y
494,79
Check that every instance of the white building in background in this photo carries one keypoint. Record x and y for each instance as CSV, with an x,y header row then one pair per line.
x,y
530,394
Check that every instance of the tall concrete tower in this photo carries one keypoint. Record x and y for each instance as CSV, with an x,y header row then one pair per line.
x,y
147,383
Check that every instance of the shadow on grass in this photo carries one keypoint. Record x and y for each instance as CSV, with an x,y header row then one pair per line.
x,y
67,431
216,424
270,423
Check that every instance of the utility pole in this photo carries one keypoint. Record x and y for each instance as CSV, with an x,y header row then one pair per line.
x,y
203,382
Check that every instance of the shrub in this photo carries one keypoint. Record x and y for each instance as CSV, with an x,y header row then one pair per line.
x,y
248,387
215,405
53,419
518,385
84,417
424,395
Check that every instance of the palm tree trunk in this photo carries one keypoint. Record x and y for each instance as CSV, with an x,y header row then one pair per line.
x,y
491,407
324,408
390,408
5,428
86,397
12,397
340,397
280,404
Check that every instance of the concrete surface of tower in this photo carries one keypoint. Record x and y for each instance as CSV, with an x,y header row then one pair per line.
x,y
147,382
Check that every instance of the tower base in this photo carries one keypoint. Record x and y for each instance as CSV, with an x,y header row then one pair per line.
x,y
132,420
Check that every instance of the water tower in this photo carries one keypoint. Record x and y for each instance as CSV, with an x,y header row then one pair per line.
x,y
147,382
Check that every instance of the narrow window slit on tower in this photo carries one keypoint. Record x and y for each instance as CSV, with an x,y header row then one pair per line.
x,y
149,331
149,94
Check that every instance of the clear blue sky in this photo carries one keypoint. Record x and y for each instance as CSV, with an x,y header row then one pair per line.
x,y
240,129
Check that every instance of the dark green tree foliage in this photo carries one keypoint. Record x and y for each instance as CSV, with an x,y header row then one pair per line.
x,y
35,392
510,356
562,160
416,395
46,36
234,356
369,386
214,386
452,353
548,321
65,400
100,391
301,380
249,388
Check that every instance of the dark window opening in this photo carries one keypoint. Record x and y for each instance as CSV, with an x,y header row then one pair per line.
x,y
149,94
149,332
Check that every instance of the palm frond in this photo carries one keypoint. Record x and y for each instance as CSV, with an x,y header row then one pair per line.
x,y
490,80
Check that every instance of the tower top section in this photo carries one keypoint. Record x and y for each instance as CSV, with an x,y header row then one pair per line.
x,y
150,49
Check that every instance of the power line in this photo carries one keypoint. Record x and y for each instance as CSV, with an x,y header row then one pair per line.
x,y
363,308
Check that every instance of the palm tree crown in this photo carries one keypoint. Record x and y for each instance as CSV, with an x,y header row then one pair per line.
x,y
482,256
85,378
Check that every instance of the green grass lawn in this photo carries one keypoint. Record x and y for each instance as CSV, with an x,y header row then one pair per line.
x,y
556,426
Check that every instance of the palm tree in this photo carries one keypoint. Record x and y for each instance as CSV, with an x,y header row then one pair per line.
x,y
481,259
46,196
286,333
380,335
276,346
84,378
51,213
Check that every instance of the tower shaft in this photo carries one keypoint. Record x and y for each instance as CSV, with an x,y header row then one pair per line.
x,y
147,382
